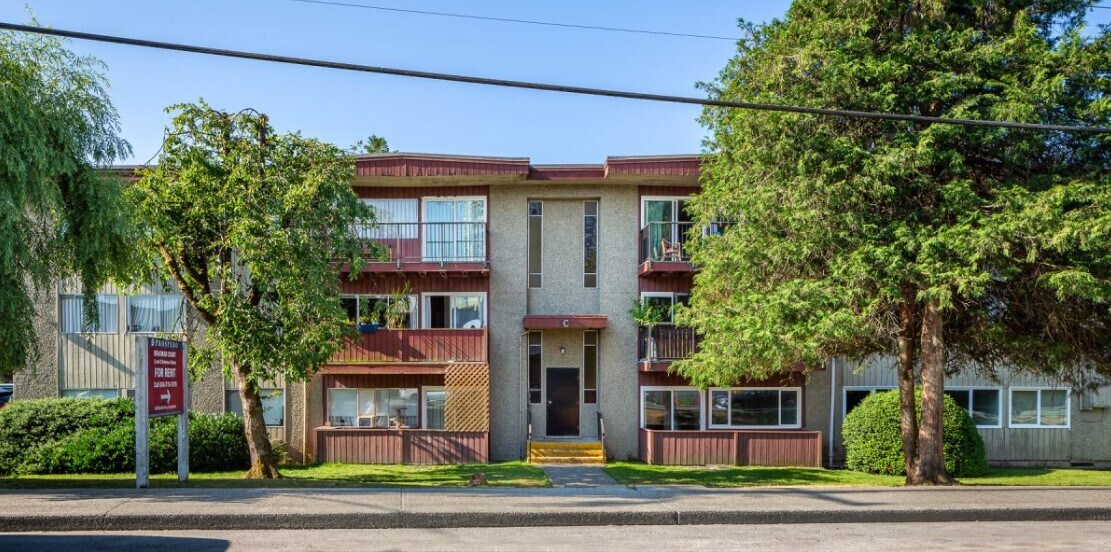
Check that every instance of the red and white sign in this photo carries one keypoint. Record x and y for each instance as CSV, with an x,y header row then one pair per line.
x,y
165,377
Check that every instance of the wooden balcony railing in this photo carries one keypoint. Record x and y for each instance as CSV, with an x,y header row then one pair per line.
x,y
415,346
667,343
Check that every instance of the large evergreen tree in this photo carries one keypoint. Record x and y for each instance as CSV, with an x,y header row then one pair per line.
x,y
942,244
59,216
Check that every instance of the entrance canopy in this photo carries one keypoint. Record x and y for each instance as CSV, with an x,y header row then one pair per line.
x,y
566,321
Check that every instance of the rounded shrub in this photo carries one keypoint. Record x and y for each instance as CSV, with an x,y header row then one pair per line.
x,y
874,443
27,425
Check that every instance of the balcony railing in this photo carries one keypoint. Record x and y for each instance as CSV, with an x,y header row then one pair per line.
x,y
665,241
430,242
668,343
416,346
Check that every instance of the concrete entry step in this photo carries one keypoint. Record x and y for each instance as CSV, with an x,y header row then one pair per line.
x,y
566,452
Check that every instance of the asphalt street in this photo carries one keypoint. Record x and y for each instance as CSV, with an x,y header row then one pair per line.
x,y
1042,536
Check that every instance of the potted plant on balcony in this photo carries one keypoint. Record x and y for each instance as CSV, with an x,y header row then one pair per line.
x,y
368,321
398,309
648,316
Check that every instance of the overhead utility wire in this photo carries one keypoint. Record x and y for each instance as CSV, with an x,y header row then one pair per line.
x,y
510,20
542,86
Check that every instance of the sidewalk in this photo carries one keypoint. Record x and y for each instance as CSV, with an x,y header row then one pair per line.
x,y
177,509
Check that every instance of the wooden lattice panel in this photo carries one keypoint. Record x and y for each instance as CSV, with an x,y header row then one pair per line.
x,y
467,405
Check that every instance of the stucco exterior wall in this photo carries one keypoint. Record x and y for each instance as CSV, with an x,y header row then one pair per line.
x,y
39,380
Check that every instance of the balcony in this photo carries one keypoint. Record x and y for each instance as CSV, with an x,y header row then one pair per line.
x,y
445,248
668,344
663,248
420,346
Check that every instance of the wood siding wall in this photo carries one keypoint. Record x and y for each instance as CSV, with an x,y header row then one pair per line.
x,y
424,345
411,192
385,284
732,447
404,446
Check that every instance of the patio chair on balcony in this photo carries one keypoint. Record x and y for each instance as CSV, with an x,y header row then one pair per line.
x,y
670,251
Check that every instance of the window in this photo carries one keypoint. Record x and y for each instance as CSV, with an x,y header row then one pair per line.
x,y
984,405
373,308
455,310
665,222
91,393
373,408
73,314
396,218
1039,407
590,366
755,407
434,402
667,301
590,244
535,348
535,243
154,313
455,229
855,395
273,405
671,408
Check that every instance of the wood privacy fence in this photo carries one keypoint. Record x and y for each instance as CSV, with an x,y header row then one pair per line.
x,y
732,447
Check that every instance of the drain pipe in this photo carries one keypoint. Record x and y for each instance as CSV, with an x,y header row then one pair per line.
x,y
832,404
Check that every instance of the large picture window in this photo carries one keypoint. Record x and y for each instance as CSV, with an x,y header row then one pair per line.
x,y
984,405
455,229
755,407
671,408
73,314
1039,407
396,218
373,308
373,408
154,313
455,310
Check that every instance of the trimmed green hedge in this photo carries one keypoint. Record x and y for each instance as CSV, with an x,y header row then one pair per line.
x,y
874,444
98,436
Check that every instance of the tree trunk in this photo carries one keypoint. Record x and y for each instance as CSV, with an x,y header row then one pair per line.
x,y
263,463
931,444
908,419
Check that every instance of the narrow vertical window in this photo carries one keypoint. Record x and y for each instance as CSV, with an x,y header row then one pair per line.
x,y
590,367
535,345
535,241
590,244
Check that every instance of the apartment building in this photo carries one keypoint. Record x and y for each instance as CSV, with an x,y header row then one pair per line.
x,y
498,328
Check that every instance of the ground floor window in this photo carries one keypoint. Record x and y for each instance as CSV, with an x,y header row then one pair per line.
x,y
91,393
373,408
984,405
755,407
671,408
1039,407
435,399
273,405
856,395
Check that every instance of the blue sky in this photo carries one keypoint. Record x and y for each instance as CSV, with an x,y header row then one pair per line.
x,y
419,115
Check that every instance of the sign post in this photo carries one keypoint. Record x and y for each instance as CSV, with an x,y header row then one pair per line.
x,y
161,389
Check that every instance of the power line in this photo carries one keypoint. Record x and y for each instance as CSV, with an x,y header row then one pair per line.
x,y
511,20
541,86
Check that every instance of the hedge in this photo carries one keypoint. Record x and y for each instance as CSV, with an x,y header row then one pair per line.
x,y
874,444
98,436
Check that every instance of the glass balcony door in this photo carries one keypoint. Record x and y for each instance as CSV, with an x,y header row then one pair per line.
x,y
667,221
455,230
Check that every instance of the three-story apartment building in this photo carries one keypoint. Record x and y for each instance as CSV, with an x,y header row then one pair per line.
x,y
498,328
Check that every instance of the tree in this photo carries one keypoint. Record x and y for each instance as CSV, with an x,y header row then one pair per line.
x,y
941,244
253,228
59,216
373,144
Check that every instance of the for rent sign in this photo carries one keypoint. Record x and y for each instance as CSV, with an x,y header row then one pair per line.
x,y
165,377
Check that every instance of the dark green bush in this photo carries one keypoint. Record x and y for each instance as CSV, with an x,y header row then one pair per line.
x,y
105,442
874,444
27,425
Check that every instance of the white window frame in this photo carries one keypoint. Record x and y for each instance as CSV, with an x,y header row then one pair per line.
x,y
414,301
729,411
597,241
424,220
701,405
424,405
969,390
644,205
673,295
81,322
873,388
1039,425
180,313
120,393
528,244
426,307
366,232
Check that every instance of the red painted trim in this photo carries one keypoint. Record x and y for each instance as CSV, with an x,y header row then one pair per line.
x,y
566,321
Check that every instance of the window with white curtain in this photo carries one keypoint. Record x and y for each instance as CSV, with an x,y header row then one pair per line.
x,y
91,393
154,313
435,399
373,408
396,218
72,314
455,229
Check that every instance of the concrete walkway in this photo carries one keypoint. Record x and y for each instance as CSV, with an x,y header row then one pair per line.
x,y
577,476
241,509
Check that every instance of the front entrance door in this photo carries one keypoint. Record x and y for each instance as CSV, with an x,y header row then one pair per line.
x,y
563,402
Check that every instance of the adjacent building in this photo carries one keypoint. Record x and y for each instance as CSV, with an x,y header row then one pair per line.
x,y
498,328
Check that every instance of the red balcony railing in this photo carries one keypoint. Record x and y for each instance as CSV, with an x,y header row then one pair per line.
x,y
416,346
667,343
430,242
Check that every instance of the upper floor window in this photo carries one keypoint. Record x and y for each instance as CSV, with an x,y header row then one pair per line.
x,y
1039,407
535,243
755,407
455,229
665,222
386,310
590,244
396,218
73,314
152,313
455,310
666,301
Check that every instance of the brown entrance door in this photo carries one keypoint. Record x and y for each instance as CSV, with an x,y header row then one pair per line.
x,y
563,402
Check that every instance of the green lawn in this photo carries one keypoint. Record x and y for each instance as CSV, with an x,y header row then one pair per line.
x,y
636,473
505,474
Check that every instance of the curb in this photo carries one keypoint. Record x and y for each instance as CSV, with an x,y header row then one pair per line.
x,y
430,520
